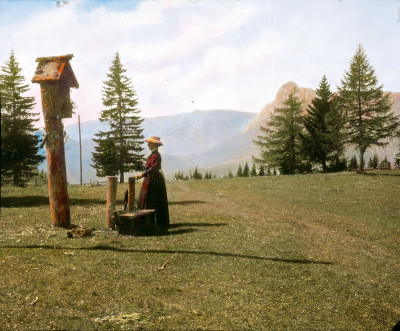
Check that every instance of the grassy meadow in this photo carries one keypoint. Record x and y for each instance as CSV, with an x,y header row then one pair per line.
x,y
303,252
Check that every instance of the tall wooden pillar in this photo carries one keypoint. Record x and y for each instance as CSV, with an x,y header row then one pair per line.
x,y
55,154
55,76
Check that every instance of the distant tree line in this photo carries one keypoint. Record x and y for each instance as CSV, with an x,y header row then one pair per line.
x,y
241,172
358,115
196,174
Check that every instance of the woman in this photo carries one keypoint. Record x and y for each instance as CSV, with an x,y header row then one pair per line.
x,y
153,194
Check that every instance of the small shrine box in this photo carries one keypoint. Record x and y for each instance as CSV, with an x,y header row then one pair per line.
x,y
55,75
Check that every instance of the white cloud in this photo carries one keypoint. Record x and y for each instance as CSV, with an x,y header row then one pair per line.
x,y
183,56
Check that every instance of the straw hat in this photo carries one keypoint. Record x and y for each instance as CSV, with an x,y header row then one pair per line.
x,y
154,140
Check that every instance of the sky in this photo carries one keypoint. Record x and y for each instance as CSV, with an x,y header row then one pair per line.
x,y
183,56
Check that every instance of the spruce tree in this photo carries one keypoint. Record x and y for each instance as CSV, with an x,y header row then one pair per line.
x,y
253,172
384,163
197,174
373,162
246,170
370,120
323,140
230,174
353,165
239,172
119,149
261,170
280,139
19,143
397,159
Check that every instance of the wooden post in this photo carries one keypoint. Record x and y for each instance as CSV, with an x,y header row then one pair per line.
x,y
80,148
55,154
131,193
56,77
112,184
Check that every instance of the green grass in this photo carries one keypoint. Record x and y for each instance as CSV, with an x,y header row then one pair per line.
x,y
312,252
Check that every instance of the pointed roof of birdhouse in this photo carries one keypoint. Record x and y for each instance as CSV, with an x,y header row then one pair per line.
x,y
55,68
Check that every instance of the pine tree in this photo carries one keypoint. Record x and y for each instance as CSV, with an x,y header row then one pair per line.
x,y
373,162
230,174
106,155
384,163
19,143
261,170
253,172
122,144
280,145
246,170
197,174
368,109
397,159
239,172
323,140
353,163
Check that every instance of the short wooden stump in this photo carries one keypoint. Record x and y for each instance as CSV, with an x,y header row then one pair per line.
x,y
133,223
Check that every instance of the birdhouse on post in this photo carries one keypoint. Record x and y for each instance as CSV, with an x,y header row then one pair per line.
x,y
55,76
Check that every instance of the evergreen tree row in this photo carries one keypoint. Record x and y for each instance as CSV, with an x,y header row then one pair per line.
x,y
359,115
195,175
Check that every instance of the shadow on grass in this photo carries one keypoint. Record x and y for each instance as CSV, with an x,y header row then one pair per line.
x,y
163,233
40,200
178,225
169,251
384,174
185,202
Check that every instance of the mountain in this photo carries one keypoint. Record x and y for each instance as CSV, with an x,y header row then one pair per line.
x,y
304,94
205,139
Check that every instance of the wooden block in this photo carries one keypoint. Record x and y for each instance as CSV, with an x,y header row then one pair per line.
x,y
79,232
132,222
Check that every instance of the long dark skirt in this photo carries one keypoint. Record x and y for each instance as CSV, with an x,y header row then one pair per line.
x,y
153,195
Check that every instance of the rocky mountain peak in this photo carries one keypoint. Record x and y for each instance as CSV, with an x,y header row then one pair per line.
x,y
303,93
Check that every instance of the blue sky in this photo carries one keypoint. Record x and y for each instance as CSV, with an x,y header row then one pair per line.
x,y
200,55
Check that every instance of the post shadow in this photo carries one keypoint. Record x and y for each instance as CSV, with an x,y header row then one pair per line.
x,y
170,251
185,202
42,200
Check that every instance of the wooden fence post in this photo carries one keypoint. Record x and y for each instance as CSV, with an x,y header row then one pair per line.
x,y
112,184
131,193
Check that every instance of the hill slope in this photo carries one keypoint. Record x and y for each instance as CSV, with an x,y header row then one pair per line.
x,y
202,138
